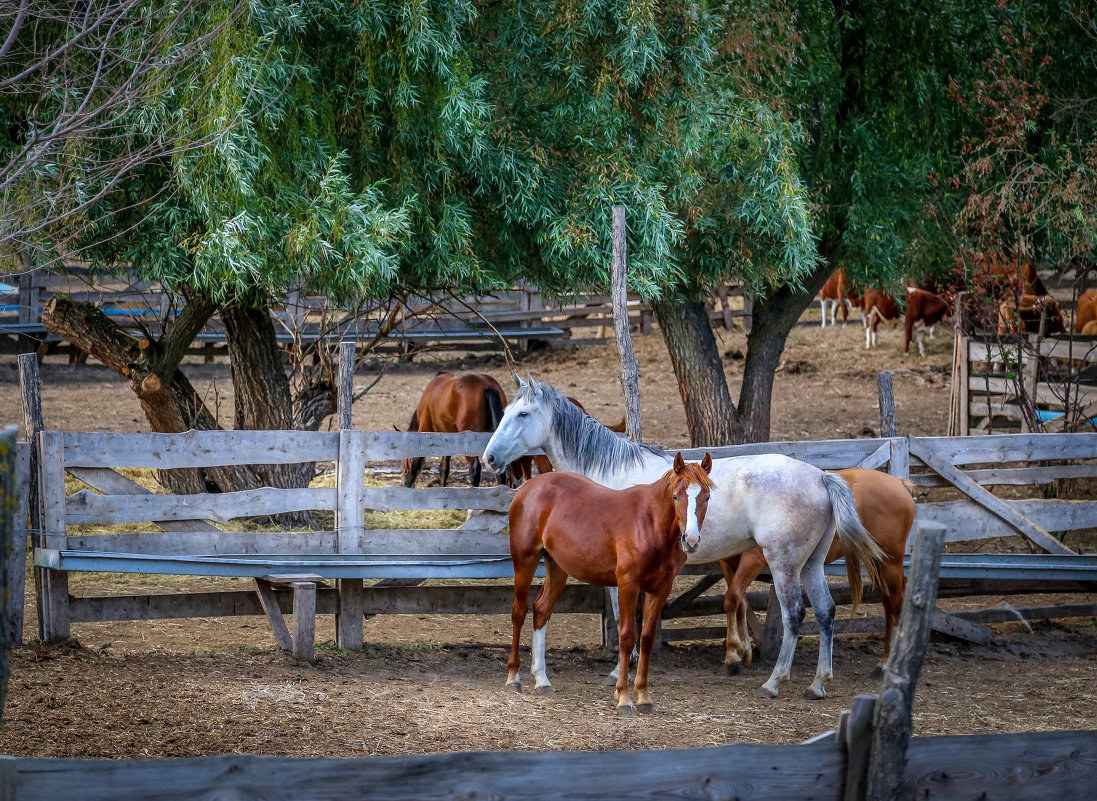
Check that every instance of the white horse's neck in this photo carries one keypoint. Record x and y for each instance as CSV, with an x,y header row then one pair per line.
x,y
652,467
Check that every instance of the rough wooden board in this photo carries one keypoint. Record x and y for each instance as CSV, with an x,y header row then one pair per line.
x,y
86,508
199,448
985,499
999,448
760,772
182,543
110,482
389,499
956,627
966,520
53,602
877,458
273,612
835,454
1012,476
304,621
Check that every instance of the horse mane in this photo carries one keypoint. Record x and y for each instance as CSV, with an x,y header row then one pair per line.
x,y
692,474
593,446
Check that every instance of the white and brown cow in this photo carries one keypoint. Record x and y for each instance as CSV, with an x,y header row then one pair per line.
x,y
837,292
879,305
924,311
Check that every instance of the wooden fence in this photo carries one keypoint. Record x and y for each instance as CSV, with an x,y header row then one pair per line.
x,y
871,757
189,542
1005,384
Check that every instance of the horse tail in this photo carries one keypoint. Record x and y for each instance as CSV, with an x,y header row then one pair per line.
x,y
414,424
857,544
495,406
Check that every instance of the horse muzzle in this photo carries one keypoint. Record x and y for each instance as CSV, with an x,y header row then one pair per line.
x,y
494,462
690,544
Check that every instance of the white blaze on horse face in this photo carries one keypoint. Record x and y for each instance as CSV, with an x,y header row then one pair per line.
x,y
693,529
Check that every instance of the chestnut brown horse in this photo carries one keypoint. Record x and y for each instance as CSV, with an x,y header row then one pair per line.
x,y
886,508
452,404
635,539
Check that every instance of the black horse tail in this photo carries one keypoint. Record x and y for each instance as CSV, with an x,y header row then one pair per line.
x,y
414,424
495,406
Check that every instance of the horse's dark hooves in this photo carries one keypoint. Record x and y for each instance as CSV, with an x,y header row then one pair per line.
x,y
645,709
765,692
513,686
811,694
732,668
546,691
878,672
609,681
626,711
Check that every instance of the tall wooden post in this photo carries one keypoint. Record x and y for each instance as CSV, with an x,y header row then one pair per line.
x,y
345,392
349,615
887,403
8,505
630,368
30,388
892,722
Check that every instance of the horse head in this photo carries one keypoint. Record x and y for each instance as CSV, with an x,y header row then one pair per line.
x,y
692,487
525,425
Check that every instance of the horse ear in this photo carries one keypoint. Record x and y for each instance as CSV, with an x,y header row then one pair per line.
x,y
679,462
706,463
518,382
534,386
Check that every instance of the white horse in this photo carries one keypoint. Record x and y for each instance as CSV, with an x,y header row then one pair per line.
x,y
788,507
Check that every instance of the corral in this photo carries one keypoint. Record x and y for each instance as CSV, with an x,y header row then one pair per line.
x,y
429,682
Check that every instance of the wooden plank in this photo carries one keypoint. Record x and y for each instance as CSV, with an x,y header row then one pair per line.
x,y
30,390
206,543
345,397
1080,349
199,448
273,611
14,611
835,454
892,723
993,504
857,739
110,482
899,463
53,615
1012,476
886,396
965,377
388,445
1060,765
959,629
1044,394
965,520
304,621
674,608
389,499
877,458
760,772
1000,448
350,524
87,508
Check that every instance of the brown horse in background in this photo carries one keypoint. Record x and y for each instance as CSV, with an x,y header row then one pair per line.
x,y
886,508
451,404
635,539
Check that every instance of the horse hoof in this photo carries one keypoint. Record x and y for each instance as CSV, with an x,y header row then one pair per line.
x,y
609,681
626,711
878,671
813,694
732,668
513,686
546,691
765,692
645,709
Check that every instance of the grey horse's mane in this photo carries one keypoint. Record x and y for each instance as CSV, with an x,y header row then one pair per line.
x,y
593,446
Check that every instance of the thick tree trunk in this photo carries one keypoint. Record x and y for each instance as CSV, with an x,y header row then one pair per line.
x,y
167,398
710,414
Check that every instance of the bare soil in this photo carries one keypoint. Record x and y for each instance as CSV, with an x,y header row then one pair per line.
x,y
432,683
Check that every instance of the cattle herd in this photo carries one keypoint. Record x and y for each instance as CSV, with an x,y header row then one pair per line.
x,y
997,291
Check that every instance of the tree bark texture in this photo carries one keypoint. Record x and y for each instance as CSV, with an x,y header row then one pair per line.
x,y
710,414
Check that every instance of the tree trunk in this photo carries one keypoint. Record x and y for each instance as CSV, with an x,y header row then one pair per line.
x,y
710,414
774,317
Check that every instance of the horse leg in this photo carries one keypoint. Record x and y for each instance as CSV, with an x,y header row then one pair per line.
x,y
739,572
822,604
443,470
555,582
524,570
628,597
611,679
653,607
474,471
891,596
792,615
411,470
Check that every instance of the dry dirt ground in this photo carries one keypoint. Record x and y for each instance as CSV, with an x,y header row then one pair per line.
x,y
433,683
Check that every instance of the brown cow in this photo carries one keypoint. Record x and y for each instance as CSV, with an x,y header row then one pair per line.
x,y
1026,314
924,311
879,306
1086,311
837,292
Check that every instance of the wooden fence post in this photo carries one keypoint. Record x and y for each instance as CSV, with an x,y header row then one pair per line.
x,y
345,397
30,388
15,612
887,403
8,506
892,724
349,522
630,369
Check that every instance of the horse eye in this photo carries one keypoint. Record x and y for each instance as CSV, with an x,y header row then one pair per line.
x,y
523,414
676,497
